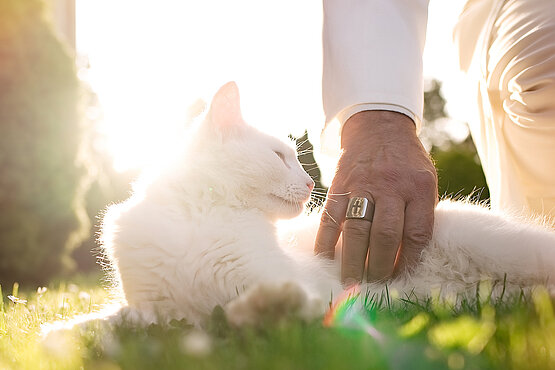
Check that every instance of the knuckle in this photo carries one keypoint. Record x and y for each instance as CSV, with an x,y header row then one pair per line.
x,y
355,231
387,236
425,179
417,239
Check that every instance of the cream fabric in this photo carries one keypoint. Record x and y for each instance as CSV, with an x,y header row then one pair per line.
x,y
513,61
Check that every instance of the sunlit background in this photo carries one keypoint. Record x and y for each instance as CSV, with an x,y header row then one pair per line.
x,y
73,139
149,62
94,91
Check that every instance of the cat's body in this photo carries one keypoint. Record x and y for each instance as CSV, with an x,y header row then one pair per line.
x,y
209,255
203,233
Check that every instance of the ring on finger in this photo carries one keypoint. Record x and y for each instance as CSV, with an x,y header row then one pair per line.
x,y
360,208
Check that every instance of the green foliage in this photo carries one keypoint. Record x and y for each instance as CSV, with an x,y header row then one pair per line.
x,y
484,333
305,154
39,140
459,171
434,103
458,167
105,186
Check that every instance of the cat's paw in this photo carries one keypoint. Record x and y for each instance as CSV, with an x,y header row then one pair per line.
x,y
273,302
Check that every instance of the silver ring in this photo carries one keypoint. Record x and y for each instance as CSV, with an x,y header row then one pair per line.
x,y
360,208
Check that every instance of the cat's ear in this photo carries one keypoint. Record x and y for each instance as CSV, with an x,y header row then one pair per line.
x,y
225,109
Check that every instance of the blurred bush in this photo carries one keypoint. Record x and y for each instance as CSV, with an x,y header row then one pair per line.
x,y
105,185
305,154
459,171
458,167
41,212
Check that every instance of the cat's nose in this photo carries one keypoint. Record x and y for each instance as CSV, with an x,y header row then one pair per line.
x,y
310,185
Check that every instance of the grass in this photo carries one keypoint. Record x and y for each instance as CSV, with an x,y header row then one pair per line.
x,y
512,332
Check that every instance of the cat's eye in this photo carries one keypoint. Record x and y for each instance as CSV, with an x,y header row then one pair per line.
x,y
282,157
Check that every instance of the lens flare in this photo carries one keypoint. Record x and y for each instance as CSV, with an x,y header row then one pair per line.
x,y
346,313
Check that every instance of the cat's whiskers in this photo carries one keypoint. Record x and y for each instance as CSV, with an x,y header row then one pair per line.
x,y
300,144
339,194
331,217
321,195
319,190
315,193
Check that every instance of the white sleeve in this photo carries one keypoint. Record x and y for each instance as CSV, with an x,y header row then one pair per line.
x,y
373,57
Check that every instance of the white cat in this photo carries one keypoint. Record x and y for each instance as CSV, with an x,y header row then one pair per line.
x,y
203,232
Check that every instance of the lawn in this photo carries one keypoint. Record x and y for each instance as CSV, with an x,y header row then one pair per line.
x,y
392,332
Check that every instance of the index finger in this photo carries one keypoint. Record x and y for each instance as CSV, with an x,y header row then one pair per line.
x,y
330,226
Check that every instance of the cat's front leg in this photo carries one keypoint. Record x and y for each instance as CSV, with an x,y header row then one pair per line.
x,y
273,302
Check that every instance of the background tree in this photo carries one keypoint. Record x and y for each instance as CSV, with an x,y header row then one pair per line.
x,y
458,167
305,153
106,185
42,215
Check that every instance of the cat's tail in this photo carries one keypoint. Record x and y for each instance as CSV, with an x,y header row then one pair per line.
x,y
108,314
494,243
114,314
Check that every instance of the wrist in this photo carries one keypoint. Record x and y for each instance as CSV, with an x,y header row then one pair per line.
x,y
377,124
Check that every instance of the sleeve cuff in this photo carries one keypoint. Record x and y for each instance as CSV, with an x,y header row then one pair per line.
x,y
348,112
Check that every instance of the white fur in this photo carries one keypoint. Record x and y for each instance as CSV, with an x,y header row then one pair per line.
x,y
203,231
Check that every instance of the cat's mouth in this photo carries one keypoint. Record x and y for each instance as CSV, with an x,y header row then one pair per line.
x,y
297,204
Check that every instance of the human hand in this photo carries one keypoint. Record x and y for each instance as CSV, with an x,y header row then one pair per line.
x,y
382,160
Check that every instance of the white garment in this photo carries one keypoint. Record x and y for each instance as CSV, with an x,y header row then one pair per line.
x,y
373,56
512,62
373,60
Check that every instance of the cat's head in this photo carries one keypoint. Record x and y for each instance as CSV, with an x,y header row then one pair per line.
x,y
256,169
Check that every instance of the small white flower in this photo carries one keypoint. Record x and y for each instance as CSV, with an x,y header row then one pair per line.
x,y
41,290
84,296
17,300
72,288
197,343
